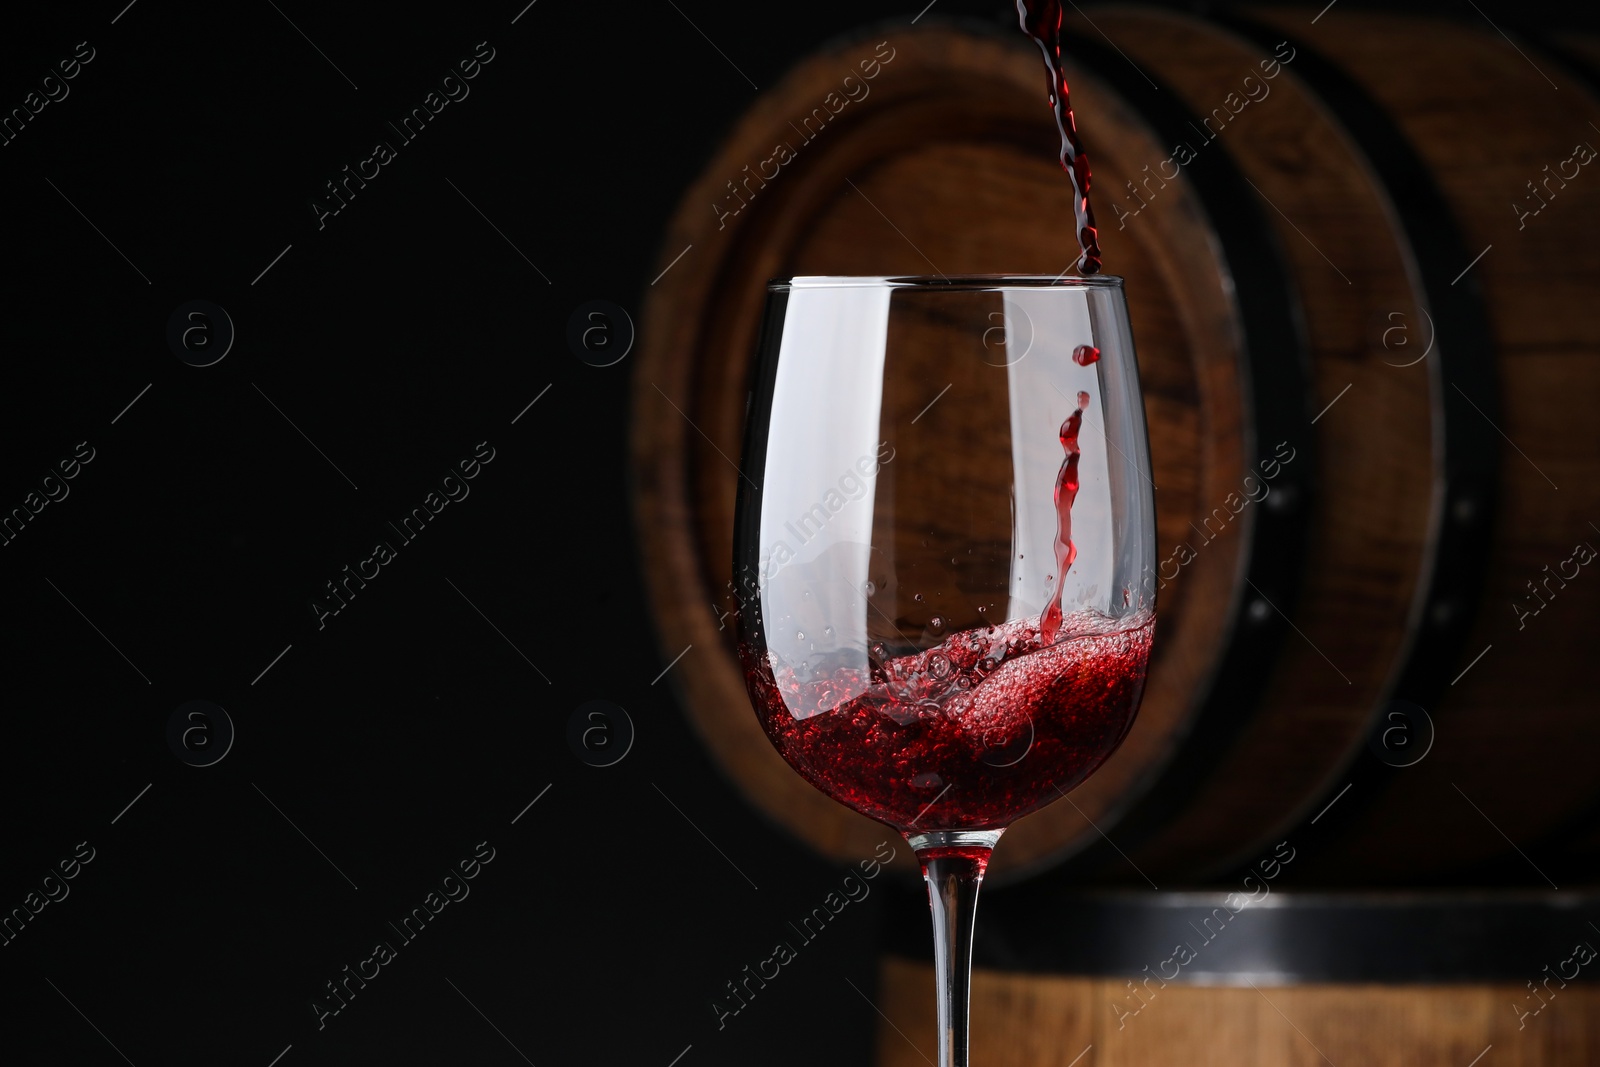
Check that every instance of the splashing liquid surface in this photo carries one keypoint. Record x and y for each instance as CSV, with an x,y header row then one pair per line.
x,y
1041,20
983,728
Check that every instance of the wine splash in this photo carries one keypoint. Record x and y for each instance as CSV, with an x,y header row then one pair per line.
x,y
1066,493
1041,20
990,724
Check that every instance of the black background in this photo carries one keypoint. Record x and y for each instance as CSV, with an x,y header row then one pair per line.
x,y
414,724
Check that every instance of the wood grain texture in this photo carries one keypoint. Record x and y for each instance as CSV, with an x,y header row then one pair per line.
x,y
1052,1021
1518,734
1374,472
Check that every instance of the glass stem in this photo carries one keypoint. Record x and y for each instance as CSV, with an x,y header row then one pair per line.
x,y
953,863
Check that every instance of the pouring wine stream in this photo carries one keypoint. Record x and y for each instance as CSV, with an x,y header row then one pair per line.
x,y
953,862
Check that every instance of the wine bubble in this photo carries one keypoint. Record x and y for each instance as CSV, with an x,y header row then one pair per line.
x,y
956,708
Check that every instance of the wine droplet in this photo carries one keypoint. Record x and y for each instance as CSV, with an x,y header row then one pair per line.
x,y
1084,355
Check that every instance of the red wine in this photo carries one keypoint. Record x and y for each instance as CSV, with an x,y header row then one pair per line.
x,y
1084,355
1066,493
1041,20
985,727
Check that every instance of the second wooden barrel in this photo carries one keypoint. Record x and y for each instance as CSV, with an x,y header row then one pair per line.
x,y
1359,257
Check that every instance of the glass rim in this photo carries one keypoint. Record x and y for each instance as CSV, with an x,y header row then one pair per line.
x,y
958,282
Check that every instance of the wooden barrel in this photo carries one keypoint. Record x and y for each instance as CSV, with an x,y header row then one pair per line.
x,y
1024,1020
1358,257
1402,979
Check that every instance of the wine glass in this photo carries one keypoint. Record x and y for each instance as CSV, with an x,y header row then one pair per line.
x,y
944,557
